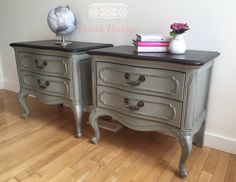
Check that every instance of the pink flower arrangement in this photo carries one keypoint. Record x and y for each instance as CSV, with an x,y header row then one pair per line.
x,y
178,28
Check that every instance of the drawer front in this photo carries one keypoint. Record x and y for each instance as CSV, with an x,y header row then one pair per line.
x,y
44,64
138,105
46,84
157,82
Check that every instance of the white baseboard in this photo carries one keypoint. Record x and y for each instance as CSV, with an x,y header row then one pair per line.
x,y
10,86
220,142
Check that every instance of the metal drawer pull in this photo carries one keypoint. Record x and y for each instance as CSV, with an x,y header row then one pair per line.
x,y
134,83
133,108
127,76
43,86
40,66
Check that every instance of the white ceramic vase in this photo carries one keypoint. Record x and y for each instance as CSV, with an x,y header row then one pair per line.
x,y
177,45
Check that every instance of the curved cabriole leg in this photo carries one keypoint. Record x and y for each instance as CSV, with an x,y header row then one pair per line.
x,y
93,121
186,147
78,111
21,97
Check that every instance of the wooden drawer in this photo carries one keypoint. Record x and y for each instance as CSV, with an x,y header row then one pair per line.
x,y
158,82
44,64
46,84
138,105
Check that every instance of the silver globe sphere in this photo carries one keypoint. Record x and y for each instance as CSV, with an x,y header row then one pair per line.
x,y
62,21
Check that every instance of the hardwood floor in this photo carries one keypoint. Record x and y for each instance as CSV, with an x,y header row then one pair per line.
x,y
44,148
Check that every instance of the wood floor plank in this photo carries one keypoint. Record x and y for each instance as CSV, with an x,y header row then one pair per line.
x,y
153,158
95,161
25,149
170,171
221,168
124,152
31,165
12,180
56,166
231,169
70,158
32,178
135,154
162,163
205,177
148,155
212,160
65,176
44,148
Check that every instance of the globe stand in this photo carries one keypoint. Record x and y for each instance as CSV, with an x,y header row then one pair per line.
x,y
63,42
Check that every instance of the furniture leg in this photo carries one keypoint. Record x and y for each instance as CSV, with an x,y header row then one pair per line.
x,y
186,147
78,111
199,136
21,97
93,121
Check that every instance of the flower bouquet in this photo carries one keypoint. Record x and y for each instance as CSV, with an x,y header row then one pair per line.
x,y
178,28
177,44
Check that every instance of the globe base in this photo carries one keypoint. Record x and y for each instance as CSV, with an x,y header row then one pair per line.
x,y
63,42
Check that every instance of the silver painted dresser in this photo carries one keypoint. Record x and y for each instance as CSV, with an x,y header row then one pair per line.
x,y
55,74
153,92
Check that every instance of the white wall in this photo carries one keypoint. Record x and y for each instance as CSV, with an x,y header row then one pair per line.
x,y
212,28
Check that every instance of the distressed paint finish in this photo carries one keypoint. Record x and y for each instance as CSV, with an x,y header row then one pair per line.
x,y
192,95
66,90
55,74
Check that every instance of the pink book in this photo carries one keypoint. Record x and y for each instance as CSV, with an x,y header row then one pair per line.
x,y
151,44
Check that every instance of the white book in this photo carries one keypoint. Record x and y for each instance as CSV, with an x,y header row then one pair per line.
x,y
152,38
152,49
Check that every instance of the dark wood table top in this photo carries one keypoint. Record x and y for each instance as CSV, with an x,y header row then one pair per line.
x,y
50,45
191,57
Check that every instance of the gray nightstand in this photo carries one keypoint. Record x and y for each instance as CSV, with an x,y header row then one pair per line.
x,y
55,74
153,92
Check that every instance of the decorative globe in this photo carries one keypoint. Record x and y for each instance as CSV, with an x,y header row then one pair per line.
x,y
62,21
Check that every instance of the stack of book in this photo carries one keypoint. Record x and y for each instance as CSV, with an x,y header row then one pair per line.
x,y
151,43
